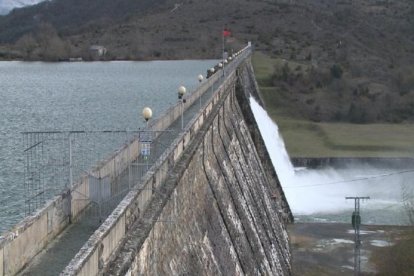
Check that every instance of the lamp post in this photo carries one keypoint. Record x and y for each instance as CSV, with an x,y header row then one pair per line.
x,y
181,91
212,85
224,67
220,65
147,114
200,80
147,139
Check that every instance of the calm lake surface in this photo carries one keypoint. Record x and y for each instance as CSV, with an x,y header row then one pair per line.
x,y
77,96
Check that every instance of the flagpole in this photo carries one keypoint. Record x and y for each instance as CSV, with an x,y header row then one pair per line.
x,y
222,52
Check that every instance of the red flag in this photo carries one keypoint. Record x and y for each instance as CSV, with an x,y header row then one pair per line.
x,y
226,33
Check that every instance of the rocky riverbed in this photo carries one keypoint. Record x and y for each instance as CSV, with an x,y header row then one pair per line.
x,y
328,248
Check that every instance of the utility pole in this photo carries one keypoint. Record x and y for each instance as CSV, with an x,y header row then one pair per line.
x,y
356,223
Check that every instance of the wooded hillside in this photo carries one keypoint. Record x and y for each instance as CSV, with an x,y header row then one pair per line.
x,y
333,60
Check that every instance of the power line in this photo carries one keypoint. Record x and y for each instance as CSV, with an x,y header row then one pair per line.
x,y
351,180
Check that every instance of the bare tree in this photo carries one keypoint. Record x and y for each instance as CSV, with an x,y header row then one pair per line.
x,y
50,45
408,201
26,44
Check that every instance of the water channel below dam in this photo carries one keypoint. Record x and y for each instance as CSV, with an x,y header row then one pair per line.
x,y
318,195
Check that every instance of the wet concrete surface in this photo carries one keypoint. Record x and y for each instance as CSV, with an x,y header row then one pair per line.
x,y
328,248
52,260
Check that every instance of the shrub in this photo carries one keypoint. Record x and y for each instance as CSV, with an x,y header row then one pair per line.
x,y
396,259
357,114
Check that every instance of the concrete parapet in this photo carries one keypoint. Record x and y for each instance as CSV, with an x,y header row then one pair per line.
x,y
17,252
31,235
79,197
114,165
1,262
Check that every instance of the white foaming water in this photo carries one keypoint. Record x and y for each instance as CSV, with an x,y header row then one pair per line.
x,y
319,195
274,143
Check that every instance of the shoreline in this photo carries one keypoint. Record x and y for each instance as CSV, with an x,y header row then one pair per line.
x,y
104,60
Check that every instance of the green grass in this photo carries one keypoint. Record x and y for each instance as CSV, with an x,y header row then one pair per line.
x,y
304,138
308,139
263,68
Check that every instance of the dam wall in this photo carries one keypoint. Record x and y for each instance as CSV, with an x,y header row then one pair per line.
x,y
211,204
100,248
217,213
31,235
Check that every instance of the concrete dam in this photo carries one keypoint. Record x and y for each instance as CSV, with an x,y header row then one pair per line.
x,y
211,204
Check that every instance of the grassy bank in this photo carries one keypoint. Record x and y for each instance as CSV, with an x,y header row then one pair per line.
x,y
305,138
398,258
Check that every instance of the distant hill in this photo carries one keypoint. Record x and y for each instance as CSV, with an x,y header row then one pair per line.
x,y
342,60
70,16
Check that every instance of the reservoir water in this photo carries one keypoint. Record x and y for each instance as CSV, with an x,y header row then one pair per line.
x,y
77,96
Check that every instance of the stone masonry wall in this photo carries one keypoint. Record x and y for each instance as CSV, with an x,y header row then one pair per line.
x,y
217,214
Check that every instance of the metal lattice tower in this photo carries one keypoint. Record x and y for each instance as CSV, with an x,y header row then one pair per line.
x,y
356,223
